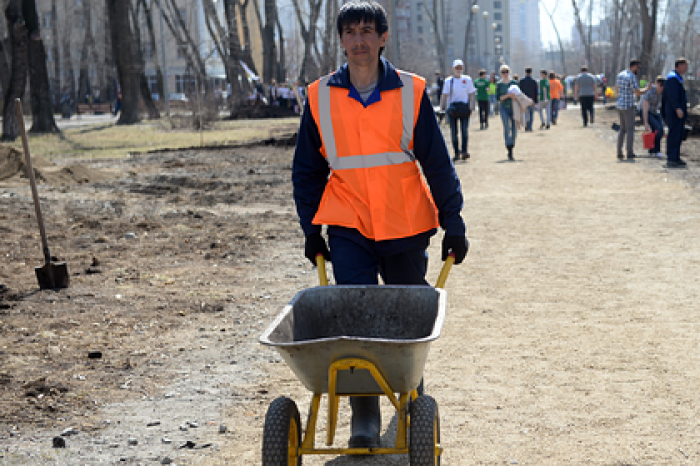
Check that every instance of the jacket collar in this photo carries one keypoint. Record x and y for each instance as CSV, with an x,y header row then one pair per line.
x,y
388,77
672,74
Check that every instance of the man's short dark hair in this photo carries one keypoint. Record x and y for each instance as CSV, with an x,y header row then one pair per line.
x,y
635,61
680,61
660,80
584,69
362,12
482,72
528,70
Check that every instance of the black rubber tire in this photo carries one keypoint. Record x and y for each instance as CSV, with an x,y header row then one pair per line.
x,y
282,430
424,434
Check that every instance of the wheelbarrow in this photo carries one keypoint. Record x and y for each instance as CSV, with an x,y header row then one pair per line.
x,y
362,340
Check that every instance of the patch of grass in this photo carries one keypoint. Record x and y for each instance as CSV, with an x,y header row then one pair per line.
x,y
113,141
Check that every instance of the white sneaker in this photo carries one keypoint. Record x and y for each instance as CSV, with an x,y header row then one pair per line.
x,y
660,155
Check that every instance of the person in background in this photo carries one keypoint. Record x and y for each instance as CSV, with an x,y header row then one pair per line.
x,y
380,186
649,108
482,98
676,110
440,81
458,88
627,87
529,87
544,100
586,91
556,90
493,104
505,101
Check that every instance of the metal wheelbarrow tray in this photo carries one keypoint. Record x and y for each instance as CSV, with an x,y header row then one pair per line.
x,y
390,326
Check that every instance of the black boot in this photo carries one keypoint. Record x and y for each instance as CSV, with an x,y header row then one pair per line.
x,y
366,422
510,152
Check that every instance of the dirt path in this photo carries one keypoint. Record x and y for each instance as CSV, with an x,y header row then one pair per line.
x,y
571,335
572,329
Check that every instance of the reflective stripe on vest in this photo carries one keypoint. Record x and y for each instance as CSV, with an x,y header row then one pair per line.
x,y
373,160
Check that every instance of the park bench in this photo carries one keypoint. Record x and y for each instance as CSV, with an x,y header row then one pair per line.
x,y
94,108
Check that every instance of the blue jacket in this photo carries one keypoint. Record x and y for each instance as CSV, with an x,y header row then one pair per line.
x,y
674,96
310,169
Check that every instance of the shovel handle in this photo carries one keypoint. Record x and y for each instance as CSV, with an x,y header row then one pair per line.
x,y
32,181
442,278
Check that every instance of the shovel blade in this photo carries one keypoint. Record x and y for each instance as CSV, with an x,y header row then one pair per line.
x,y
53,275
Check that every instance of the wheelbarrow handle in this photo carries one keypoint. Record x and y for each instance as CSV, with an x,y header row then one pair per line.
x,y
442,278
321,264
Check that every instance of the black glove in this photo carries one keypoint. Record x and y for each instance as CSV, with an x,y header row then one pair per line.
x,y
315,244
459,245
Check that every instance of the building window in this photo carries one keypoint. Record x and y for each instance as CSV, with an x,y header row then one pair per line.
x,y
419,17
47,20
181,52
499,28
497,5
498,16
420,29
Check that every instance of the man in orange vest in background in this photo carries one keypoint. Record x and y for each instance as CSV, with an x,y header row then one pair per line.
x,y
364,131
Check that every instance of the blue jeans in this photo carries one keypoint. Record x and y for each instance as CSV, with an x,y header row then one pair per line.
x,y
657,124
509,131
529,116
555,109
493,105
463,124
547,107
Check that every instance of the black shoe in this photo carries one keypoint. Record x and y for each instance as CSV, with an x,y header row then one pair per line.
x,y
620,157
366,422
510,152
631,157
547,126
542,126
676,163
465,155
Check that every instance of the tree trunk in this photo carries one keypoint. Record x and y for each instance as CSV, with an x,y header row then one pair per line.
x,y
55,50
247,46
42,109
309,69
84,73
125,58
268,38
433,16
148,12
140,64
467,33
5,71
19,66
648,14
67,55
201,69
282,69
582,31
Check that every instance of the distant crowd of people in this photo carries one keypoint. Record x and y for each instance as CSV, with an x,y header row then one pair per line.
x,y
658,104
514,99
279,95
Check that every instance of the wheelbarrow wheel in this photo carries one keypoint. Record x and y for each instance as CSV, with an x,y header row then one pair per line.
x,y
282,434
424,437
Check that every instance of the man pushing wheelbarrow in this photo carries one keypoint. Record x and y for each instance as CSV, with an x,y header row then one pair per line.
x,y
364,132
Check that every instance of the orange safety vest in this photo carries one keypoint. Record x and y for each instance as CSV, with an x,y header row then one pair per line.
x,y
375,185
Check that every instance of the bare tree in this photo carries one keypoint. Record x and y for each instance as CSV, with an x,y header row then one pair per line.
x,y
123,44
19,64
270,63
648,10
467,34
148,15
583,35
140,64
439,42
556,32
42,109
686,29
56,54
309,68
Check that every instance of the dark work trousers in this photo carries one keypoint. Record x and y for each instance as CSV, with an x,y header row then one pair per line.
x,y
657,125
587,108
483,111
357,263
462,123
675,136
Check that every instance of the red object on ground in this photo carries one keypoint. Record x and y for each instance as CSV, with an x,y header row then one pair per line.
x,y
648,139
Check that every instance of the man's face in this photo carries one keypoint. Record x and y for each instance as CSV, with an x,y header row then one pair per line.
x,y
634,69
458,70
659,88
362,42
682,68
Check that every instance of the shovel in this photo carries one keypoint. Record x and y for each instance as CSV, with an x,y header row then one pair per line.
x,y
52,274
